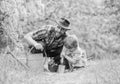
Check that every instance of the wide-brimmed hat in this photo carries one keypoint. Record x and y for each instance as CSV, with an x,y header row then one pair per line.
x,y
64,23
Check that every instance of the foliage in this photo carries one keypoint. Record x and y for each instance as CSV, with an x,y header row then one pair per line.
x,y
97,28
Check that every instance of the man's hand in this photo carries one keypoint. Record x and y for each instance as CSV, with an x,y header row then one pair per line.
x,y
38,46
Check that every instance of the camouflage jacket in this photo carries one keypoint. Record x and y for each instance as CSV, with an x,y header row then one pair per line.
x,y
51,40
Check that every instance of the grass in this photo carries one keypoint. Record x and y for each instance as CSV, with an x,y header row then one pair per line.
x,y
97,72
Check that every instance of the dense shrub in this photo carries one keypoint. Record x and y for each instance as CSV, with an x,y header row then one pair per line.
x,y
96,27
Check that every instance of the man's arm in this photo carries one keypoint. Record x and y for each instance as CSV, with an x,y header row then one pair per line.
x,y
29,38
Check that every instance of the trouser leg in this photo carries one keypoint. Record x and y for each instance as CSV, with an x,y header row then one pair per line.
x,y
66,63
57,59
45,64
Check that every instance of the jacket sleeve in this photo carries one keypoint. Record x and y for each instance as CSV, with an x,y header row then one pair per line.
x,y
41,34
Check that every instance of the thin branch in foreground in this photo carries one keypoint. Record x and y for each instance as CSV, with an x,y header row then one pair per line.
x,y
25,66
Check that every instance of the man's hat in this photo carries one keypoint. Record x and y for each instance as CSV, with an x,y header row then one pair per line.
x,y
64,23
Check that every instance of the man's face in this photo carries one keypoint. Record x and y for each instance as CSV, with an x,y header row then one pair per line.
x,y
61,29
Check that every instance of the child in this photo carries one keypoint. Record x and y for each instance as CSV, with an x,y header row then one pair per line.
x,y
73,53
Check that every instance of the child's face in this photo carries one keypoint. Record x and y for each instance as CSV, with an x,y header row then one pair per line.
x,y
72,49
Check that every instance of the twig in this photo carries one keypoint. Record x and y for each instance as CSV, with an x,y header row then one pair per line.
x,y
26,67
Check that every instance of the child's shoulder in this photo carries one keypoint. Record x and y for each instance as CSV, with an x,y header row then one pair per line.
x,y
79,50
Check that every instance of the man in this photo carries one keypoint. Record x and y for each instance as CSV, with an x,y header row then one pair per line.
x,y
50,40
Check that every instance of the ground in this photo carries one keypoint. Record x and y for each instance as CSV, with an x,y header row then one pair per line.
x,y
77,77
105,71
97,72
